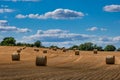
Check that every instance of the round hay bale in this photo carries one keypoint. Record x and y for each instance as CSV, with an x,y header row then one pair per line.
x,y
44,51
15,57
24,47
64,50
110,59
19,50
74,49
77,52
50,48
37,50
41,60
95,51
54,49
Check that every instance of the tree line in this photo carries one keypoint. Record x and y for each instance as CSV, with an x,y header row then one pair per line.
x,y
88,46
10,41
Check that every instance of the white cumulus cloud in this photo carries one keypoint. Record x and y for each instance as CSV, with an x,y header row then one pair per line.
x,y
3,22
116,38
4,27
20,16
112,8
57,35
105,39
13,29
64,38
56,14
96,28
103,29
92,29
6,10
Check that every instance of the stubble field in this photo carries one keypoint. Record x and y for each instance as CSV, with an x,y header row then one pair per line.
x,y
60,65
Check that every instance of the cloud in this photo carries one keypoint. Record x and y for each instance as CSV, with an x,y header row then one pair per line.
x,y
96,28
6,10
112,8
103,29
4,6
56,14
13,29
64,38
92,29
60,44
56,35
116,38
110,39
3,22
20,16
4,27
105,39
22,0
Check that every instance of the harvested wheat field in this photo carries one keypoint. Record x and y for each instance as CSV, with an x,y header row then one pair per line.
x,y
60,65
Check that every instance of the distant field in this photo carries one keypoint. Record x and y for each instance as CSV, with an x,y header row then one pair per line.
x,y
60,65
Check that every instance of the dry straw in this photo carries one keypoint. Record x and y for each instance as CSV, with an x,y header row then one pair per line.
x,y
110,59
16,56
41,60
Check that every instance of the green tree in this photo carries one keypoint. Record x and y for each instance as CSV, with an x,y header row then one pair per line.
x,y
86,46
74,46
8,41
19,44
37,43
110,48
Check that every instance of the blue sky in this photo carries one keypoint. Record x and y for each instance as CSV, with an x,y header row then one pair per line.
x,y
61,22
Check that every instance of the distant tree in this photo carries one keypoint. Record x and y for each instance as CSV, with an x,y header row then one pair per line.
x,y
25,44
86,46
19,44
110,48
52,46
8,41
99,48
74,46
37,43
118,49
